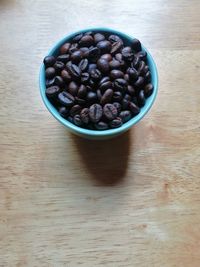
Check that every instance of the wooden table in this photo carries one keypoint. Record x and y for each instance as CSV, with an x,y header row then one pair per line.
x,y
131,201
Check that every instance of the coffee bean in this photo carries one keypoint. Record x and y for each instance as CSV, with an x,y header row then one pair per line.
x,y
148,90
125,104
135,62
91,97
110,111
141,67
125,115
59,81
127,53
95,75
65,48
85,115
136,45
86,40
103,65
89,33
77,120
101,125
63,111
104,46
133,108
141,99
83,65
107,57
49,61
114,38
76,109
66,99
76,56
93,54
139,82
119,57
91,67
98,37
80,101
77,38
104,79
120,84
116,123
63,58
147,76
107,97
50,82
50,72
95,112
82,91
118,106
85,76
59,66
117,96
131,90
70,119
85,51
65,75
52,91
105,85
116,47
133,74
115,74
73,48
146,69
74,71
142,55
73,88
114,64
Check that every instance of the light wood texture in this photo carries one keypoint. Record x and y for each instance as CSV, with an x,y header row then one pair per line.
x,y
130,201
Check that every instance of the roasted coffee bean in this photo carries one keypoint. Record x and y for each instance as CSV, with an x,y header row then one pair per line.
x,y
85,115
139,82
120,84
117,96
141,67
107,57
63,58
115,74
105,85
98,37
136,45
125,104
52,91
99,94
91,97
101,125
146,69
73,48
93,54
50,82
114,38
131,90
125,115
77,120
127,97
141,99
50,72
49,61
135,62
118,106
83,65
95,75
114,64
119,57
82,91
59,81
107,97
65,48
95,112
86,40
77,38
66,99
148,90
73,88
85,51
63,111
116,47
74,71
104,46
80,101
127,53
76,56
147,76
104,79
76,109
85,76
103,65
133,74
66,76
91,67
116,123
142,55
110,111
133,108
59,66
70,119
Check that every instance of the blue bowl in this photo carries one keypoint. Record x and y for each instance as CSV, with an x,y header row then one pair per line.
x,y
95,134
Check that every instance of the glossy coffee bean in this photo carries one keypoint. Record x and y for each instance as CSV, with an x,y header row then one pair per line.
x,y
133,74
93,54
136,45
77,38
116,47
131,90
115,74
85,76
147,76
76,56
66,99
73,48
148,90
63,58
110,111
139,82
63,111
49,61
50,72
114,64
141,99
142,55
65,48
83,65
86,40
91,67
101,125
107,57
134,108
125,104
127,53
52,91
73,88
104,46
85,51
106,97
113,38
120,84
141,67
125,115
91,97
66,76
118,106
105,85
95,112
50,82
99,94
95,75
80,101
116,123
98,37
77,120
76,109
85,115
59,81
59,66
82,91
74,71
103,65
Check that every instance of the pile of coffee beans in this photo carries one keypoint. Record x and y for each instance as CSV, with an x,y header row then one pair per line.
x,y
97,81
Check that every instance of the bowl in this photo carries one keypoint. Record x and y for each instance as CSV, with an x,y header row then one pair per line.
x,y
95,134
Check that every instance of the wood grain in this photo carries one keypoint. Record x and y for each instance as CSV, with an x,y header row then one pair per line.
x,y
130,201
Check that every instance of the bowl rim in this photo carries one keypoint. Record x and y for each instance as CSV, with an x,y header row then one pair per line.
x,y
89,132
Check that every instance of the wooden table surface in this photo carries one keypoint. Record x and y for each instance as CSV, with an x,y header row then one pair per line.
x,y
131,201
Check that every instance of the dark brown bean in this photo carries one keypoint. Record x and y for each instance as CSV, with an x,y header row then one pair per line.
x,y
59,81
85,51
77,38
63,58
80,101
104,46
77,120
118,106
136,45
59,66
49,61
125,104
133,108
66,76
52,91
142,55
148,90
85,115
85,76
82,91
107,97
113,38
116,123
127,97
139,82
103,65
50,82
141,99
73,48
120,84
131,90
50,72
117,96
98,37
76,109
125,115
127,53
99,94
115,74
93,54
141,67
63,111
110,111
101,125
95,112
86,40
83,65
114,64
116,47
76,56
147,76
73,88
133,74
65,48
104,86
91,67
107,57
66,99
95,75
91,97
74,71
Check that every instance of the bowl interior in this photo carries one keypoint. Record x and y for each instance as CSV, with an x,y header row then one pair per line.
x,y
149,101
